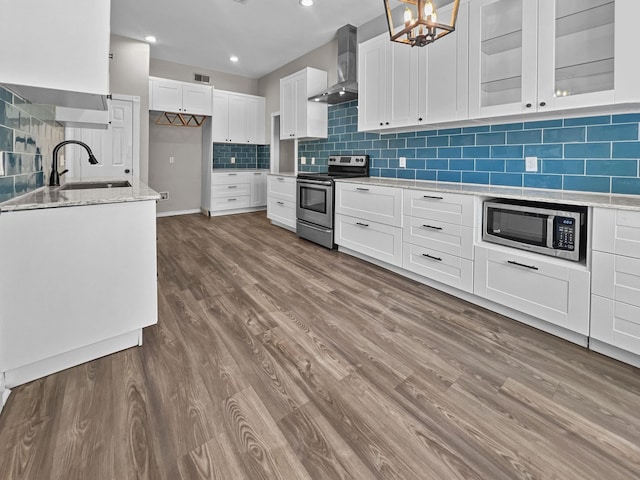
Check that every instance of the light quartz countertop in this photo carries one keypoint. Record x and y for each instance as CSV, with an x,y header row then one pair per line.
x,y
629,202
52,197
283,174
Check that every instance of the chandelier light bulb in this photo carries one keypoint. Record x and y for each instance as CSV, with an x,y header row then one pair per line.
x,y
434,17
408,16
428,9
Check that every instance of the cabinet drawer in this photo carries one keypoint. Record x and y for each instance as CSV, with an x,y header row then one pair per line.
x,y
282,187
616,231
370,202
555,293
448,269
230,203
444,207
443,237
225,178
282,211
376,240
616,277
231,190
615,323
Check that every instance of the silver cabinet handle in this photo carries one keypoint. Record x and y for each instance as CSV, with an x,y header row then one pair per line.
x,y
362,189
280,203
432,227
232,186
432,257
232,174
531,267
280,178
231,199
257,173
362,224
431,197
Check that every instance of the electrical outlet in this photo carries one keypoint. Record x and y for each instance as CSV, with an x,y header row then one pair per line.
x,y
313,160
172,159
164,196
1,167
531,164
303,160
233,159
403,162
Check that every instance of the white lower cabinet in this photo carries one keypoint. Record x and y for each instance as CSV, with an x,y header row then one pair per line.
x,y
281,200
376,240
615,288
372,202
442,267
444,237
237,192
548,290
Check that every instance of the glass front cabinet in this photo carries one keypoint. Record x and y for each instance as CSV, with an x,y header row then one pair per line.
x,y
538,55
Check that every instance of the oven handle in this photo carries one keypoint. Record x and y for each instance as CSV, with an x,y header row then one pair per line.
x,y
314,182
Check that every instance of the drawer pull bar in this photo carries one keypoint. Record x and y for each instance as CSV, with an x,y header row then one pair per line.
x,y
232,186
432,227
362,189
280,178
232,174
280,203
432,197
531,267
362,224
231,199
431,257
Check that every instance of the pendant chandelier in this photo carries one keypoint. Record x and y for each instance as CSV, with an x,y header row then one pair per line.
x,y
421,26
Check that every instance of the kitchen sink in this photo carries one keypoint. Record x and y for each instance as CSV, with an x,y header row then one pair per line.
x,y
92,185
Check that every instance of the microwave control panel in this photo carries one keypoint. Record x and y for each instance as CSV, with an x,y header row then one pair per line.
x,y
564,233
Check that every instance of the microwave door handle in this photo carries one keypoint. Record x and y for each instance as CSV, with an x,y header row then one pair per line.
x,y
550,222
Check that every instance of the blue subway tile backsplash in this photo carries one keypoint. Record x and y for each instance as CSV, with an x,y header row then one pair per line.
x,y
28,134
245,156
597,154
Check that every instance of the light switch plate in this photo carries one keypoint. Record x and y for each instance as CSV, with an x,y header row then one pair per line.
x,y
313,160
531,164
403,162
233,159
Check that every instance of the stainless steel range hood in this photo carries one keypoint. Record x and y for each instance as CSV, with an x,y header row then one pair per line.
x,y
347,87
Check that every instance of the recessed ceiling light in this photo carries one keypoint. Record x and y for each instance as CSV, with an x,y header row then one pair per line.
x,y
150,39
306,3
233,58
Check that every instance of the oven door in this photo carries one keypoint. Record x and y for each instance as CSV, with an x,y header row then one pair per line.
x,y
315,202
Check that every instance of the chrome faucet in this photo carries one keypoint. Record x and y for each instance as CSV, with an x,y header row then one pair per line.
x,y
54,178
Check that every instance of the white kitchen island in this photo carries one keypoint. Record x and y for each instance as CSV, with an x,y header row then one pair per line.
x,y
78,277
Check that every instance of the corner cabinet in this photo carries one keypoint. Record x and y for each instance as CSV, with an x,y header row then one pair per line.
x,y
57,53
546,55
615,299
179,97
300,118
238,118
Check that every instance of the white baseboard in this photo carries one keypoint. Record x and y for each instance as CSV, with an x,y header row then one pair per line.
x,y
177,212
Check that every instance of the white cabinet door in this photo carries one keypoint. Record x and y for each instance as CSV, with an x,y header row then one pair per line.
x,y
444,237
436,265
196,99
616,231
401,96
259,189
444,207
220,117
376,240
282,187
254,120
502,57
166,96
237,120
373,81
300,118
616,277
373,202
287,108
547,290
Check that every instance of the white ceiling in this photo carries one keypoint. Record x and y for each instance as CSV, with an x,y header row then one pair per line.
x,y
263,34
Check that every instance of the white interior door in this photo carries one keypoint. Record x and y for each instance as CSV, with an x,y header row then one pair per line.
x,y
115,148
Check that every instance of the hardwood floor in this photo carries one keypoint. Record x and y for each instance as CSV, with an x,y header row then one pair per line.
x,y
274,358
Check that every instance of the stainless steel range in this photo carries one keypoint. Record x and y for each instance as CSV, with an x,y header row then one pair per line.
x,y
315,197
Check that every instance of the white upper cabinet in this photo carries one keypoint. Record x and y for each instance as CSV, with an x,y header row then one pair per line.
x,y
238,118
544,55
57,53
386,87
179,97
300,118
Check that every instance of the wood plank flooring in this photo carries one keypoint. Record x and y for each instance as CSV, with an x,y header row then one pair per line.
x,y
274,358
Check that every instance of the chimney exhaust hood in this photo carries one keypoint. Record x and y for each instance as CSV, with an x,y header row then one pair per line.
x,y
347,87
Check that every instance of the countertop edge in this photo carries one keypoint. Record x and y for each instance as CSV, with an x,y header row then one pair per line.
x,y
592,199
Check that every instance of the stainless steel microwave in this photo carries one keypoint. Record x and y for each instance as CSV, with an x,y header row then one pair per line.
x,y
546,228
